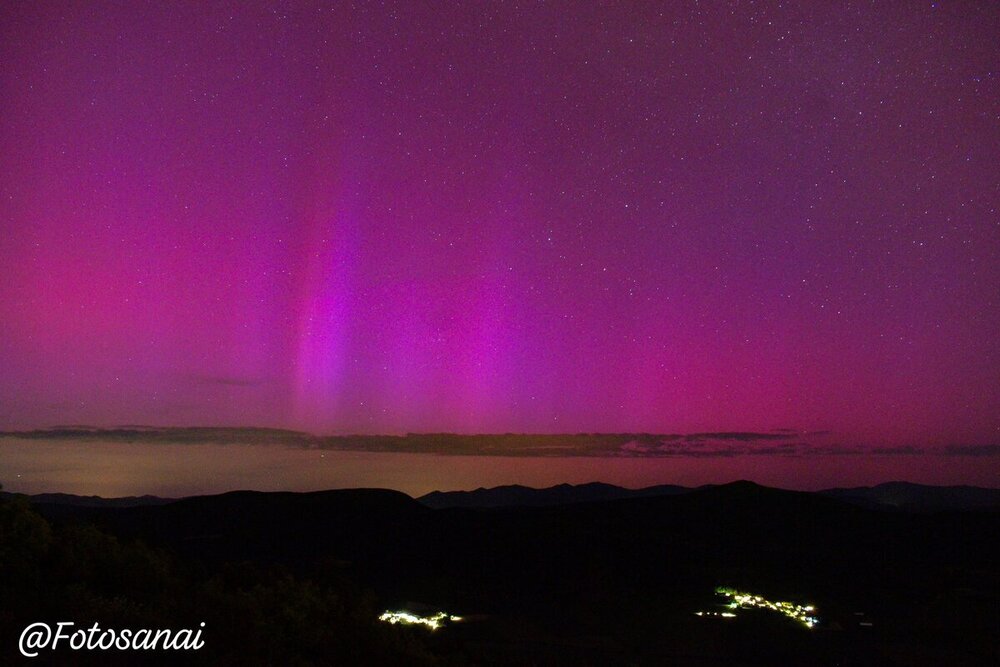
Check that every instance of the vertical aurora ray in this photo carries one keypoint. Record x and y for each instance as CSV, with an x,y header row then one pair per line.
x,y
325,309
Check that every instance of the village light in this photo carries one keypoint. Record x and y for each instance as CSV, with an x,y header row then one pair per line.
x,y
406,618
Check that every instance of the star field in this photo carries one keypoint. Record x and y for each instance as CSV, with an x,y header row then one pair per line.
x,y
503,217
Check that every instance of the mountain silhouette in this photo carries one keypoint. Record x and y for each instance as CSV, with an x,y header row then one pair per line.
x,y
516,495
614,580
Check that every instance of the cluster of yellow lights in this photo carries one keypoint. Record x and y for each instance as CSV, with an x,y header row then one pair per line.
x,y
740,600
406,618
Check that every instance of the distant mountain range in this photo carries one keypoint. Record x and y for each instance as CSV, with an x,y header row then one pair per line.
x,y
890,495
91,501
524,496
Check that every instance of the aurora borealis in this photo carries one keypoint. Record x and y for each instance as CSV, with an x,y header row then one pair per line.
x,y
504,218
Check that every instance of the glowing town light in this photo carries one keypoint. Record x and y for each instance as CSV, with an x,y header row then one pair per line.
x,y
742,600
406,618
724,614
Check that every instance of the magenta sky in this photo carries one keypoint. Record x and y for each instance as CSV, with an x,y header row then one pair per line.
x,y
547,218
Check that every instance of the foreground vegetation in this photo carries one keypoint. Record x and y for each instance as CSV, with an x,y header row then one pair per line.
x,y
253,613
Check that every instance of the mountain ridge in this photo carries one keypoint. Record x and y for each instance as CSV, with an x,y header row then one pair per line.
x,y
894,495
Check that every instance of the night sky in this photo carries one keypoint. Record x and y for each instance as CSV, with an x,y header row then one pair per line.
x,y
503,217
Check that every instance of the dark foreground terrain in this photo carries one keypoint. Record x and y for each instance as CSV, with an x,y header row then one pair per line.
x,y
300,578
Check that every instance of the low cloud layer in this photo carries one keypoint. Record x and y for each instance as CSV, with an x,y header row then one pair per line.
x,y
780,442
972,450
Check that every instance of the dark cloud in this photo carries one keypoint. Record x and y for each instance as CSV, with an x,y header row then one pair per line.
x,y
835,450
909,450
972,450
612,445
165,435
740,436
